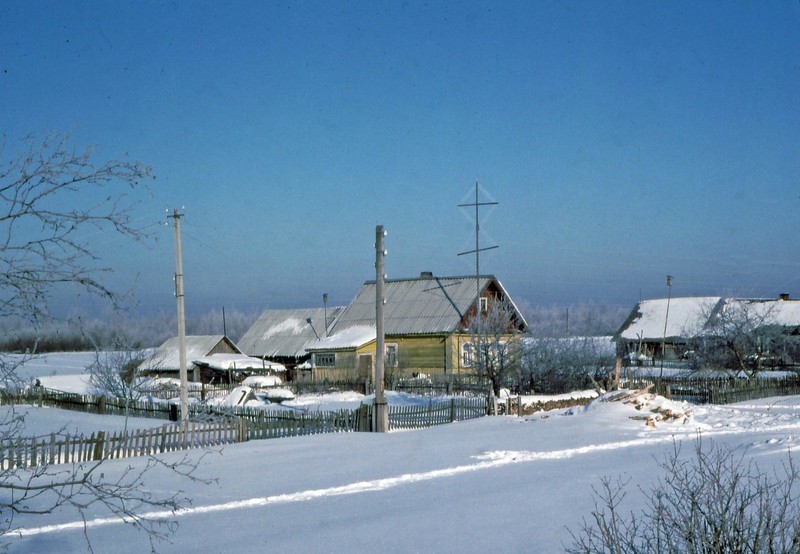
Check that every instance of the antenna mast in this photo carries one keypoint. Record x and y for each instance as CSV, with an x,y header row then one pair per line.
x,y
477,204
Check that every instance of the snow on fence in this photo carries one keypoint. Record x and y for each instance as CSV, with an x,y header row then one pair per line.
x,y
64,449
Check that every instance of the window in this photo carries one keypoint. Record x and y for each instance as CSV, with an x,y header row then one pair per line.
x,y
484,304
390,359
467,354
325,359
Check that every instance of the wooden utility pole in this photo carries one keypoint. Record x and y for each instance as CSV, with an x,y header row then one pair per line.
x,y
381,423
176,216
325,308
664,337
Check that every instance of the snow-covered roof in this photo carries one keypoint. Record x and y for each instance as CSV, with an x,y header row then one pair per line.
x,y
224,362
690,316
687,316
167,356
351,337
286,333
784,313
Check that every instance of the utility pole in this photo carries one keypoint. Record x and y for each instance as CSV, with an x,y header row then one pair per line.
x,y
176,216
477,204
381,423
666,319
325,307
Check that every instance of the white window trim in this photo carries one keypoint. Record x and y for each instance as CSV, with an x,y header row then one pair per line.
x,y
467,354
331,357
389,362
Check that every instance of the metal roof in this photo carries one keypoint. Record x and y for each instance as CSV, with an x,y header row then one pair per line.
x,y
286,333
427,305
167,355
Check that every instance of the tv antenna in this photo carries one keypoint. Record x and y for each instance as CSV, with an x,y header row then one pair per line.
x,y
477,251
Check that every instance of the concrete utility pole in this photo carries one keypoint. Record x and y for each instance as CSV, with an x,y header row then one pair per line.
x,y
181,318
381,411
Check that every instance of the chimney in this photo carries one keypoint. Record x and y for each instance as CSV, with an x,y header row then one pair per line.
x,y
783,296
426,275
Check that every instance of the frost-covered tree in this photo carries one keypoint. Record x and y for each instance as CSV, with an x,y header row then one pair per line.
x,y
497,344
559,365
738,336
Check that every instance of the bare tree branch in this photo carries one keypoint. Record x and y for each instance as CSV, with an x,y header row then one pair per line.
x,y
53,201
45,220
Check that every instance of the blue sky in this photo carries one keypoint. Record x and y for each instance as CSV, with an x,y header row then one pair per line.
x,y
623,141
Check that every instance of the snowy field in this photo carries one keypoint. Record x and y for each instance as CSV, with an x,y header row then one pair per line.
x,y
492,484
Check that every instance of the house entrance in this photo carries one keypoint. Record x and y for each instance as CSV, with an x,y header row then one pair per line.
x,y
364,367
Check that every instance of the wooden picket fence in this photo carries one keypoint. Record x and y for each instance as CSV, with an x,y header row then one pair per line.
x,y
88,403
718,390
270,424
435,413
423,416
63,449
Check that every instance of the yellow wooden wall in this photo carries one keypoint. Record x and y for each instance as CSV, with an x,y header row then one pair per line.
x,y
416,354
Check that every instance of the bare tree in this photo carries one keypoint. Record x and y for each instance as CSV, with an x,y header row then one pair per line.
x,y
554,366
738,336
114,372
43,227
497,344
715,502
52,197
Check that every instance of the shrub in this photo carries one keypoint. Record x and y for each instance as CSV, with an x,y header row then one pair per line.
x,y
715,503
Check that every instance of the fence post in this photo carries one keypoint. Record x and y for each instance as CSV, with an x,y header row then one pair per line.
x,y
362,419
243,430
98,446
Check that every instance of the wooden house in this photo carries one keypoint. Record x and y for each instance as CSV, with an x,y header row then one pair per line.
x,y
282,336
668,322
426,327
669,329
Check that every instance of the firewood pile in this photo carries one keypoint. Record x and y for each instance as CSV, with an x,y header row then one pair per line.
x,y
655,408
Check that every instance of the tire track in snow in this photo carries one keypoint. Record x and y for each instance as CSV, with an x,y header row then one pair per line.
x,y
486,461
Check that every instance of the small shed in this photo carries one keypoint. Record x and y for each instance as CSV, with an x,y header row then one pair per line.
x,y
165,361
230,368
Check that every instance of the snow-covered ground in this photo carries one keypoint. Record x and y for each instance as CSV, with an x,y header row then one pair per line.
x,y
496,483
